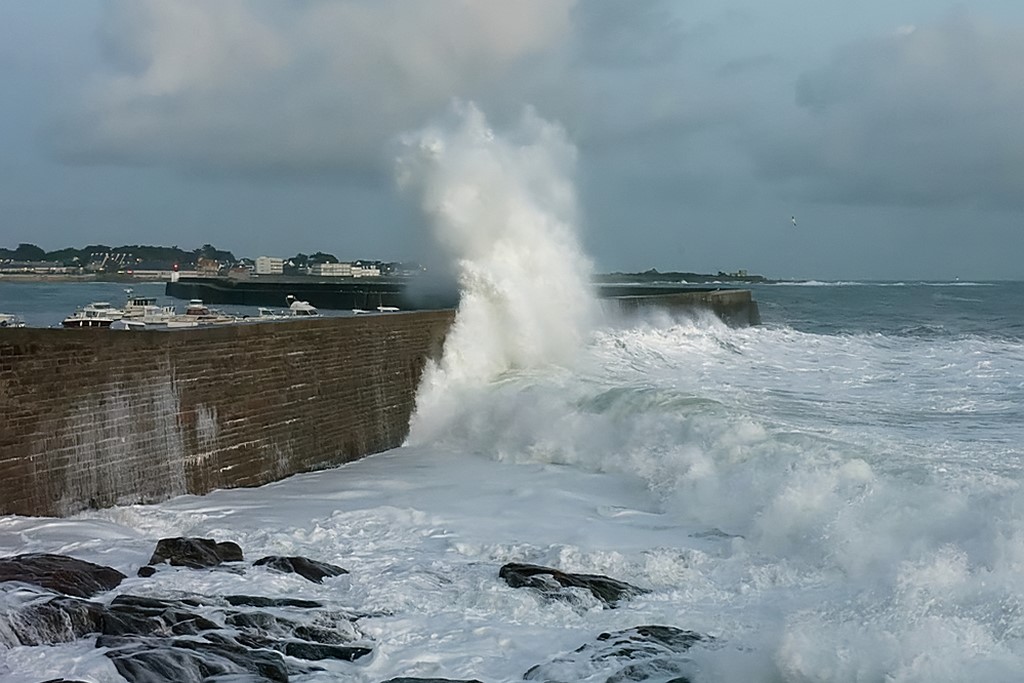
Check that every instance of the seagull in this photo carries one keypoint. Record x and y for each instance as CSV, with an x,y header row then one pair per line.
x,y
793,218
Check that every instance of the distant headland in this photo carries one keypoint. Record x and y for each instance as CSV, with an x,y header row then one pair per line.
x,y
99,262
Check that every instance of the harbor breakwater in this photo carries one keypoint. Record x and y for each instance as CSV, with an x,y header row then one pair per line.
x,y
94,418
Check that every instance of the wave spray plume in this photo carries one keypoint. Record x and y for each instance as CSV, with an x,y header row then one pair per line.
x,y
504,207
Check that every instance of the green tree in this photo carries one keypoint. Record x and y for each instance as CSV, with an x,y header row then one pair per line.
x,y
29,252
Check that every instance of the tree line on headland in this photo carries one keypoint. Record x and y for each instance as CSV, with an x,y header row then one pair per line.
x,y
100,258
104,258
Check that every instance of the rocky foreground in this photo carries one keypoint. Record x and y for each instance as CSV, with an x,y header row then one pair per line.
x,y
253,638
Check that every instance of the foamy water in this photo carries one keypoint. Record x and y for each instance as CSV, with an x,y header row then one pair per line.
x,y
829,507
832,496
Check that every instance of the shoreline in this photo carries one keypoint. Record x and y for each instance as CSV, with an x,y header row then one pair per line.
x,y
37,278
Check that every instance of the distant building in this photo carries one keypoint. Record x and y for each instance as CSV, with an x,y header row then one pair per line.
x,y
365,269
331,269
207,266
269,265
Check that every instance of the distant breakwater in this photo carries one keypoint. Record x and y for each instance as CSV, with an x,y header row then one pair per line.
x,y
735,306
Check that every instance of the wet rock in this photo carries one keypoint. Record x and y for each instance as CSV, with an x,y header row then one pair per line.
x,y
257,601
138,616
196,553
317,651
643,653
144,660
146,571
405,679
60,573
328,629
553,582
312,570
59,620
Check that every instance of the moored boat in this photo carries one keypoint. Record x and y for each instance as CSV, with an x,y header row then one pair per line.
x,y
96,314
11,320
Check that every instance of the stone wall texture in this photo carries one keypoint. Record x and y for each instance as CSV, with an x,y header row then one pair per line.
x,y
93,418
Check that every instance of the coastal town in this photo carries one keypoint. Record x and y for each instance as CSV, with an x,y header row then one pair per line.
x,y
166,263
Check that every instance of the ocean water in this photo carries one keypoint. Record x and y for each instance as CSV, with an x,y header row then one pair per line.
x,y
834,495
46,304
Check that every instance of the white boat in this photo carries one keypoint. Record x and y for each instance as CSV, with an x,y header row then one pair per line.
x,y
296,309
11,320
96,314
145,308
198,314
387,309
153,317
301,309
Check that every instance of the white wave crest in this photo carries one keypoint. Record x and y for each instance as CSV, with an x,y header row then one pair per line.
x,y
504,207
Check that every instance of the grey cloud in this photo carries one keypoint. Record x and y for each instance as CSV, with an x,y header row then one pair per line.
x,y
317,86
610,33
928,116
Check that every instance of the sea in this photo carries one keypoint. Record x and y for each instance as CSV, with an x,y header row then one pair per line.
x,y
47,303
833,495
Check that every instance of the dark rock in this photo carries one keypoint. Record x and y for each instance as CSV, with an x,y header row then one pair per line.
x,y
60,573
264,625
552,582
317,651
197,553
139,616
146,571
405,679
59,620
257,601
643,653
145,660
309,569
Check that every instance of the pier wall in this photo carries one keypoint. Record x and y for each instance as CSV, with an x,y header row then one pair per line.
x,y
92,418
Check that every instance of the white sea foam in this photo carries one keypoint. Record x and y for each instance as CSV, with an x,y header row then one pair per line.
x,y
503,205
806,499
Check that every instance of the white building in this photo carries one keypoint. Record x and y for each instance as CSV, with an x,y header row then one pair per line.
x,y
365,270
331,269
269,265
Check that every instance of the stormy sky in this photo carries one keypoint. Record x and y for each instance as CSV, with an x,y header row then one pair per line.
x,y
893,132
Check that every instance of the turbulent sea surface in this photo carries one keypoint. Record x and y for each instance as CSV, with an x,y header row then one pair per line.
x,y
833,496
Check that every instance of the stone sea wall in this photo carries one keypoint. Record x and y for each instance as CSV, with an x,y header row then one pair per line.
x,y
92,418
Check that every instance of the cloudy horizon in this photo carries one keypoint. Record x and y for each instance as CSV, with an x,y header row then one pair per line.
x,y
890,133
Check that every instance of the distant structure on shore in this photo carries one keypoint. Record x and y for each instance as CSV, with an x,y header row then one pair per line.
x,y
166,263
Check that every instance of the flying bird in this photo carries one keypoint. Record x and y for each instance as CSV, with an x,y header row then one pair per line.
x,y
793,218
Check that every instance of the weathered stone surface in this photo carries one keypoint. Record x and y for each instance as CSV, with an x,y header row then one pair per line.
x,y
59,620
197,553
145,660
130,615
312,570
210,401
317,651
552,582
257,601
328,628
642,653
60,573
